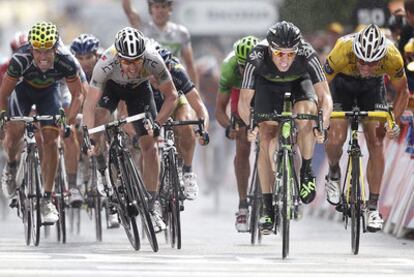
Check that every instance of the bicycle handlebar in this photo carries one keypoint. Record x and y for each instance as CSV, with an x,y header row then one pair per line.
x,y
116,123
387,115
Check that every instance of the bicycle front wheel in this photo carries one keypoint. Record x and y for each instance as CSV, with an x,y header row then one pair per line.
x,y
34,185
119,182
140,194
174,221
255,206
60,204
286,205
355,205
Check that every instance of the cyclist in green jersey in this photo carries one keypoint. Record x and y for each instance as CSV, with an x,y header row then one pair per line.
x,y
232,70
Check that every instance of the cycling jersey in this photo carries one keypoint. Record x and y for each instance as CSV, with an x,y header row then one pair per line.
x,y
342,59
270,84
230,81
230,75
22,65
108,67
259,63
174,37
181,81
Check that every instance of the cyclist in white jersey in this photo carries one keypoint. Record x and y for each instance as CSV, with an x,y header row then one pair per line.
x,y
122,73
170,35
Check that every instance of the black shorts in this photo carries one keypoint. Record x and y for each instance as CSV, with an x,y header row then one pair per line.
x,y
269,96
136,99
368,94
24,96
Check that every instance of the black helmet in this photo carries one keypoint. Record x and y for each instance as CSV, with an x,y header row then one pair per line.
x,y
283,35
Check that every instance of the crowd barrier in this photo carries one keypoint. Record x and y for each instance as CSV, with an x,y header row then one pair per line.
x,y
397,190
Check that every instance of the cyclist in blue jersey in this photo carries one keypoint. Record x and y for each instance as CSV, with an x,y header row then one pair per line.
x,y
33,74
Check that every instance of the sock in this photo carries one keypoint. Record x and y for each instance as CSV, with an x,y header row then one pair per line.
x,y
47,195
12,164
187,169
243,204
373,201
267,203
151,201
306,167
72,180
335,172
100,159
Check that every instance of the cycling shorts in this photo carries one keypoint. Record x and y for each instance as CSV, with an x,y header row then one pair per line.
x,y
368,93
46,100
269,96
136,99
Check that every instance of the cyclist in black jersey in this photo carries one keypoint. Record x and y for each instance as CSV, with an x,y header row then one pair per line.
x,y
33,73
285,63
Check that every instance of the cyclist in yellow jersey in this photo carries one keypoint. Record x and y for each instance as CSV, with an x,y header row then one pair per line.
x,y
355,68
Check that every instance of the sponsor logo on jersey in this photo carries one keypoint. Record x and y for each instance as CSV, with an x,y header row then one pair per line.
x,y
328,69
255,55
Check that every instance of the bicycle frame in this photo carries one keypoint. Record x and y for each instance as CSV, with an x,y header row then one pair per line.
x,y
353,190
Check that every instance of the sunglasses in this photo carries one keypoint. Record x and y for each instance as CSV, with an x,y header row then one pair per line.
x,y
131,62
370,64
280,53
45,45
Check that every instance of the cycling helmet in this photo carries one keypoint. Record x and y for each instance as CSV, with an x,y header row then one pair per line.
x,y
370,44
284,35
18,41
243,47
84,44
43,35
130,43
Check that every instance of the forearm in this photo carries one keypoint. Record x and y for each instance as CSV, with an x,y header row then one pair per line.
x,y
88,114
222,116
75,107
166,109
6,89
246,96
400,103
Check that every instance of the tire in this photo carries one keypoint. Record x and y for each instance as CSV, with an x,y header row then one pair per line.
x,y
98,216
34,191
139,194
175,202
255,234
286,199
129,223
97,200
25,211
60,205
355,205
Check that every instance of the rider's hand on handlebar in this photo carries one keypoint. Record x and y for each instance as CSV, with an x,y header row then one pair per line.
x,y
252,134
203,138
392,132
320,136
153,128
231,133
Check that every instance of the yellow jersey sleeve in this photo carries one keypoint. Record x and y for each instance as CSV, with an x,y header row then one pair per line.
x,y
394,63
338,58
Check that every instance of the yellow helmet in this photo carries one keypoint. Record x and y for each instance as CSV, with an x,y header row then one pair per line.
x,y
43,35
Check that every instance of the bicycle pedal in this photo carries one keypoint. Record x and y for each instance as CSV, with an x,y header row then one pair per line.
x,y
47,223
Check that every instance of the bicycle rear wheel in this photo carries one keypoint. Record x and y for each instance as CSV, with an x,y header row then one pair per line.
x,y
24,206
118,182
140,194
355,205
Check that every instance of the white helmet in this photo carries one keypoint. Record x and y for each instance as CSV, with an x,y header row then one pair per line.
x,y
130,43
370,44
